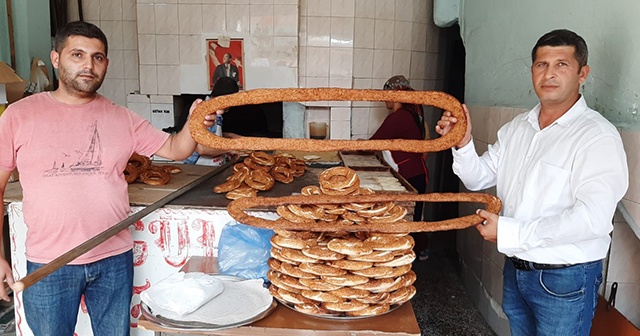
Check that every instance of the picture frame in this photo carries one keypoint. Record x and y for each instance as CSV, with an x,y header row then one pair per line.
x,y
218,52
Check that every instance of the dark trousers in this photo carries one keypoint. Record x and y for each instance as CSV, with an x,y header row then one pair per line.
x,y
420,184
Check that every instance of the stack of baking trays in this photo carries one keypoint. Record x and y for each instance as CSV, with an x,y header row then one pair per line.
x,y
341,274
314,159
375,174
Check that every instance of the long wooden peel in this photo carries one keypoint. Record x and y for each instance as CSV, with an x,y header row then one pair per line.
x,y
100,238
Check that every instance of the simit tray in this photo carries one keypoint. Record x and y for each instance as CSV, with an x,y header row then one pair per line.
x,y
337,317
191,326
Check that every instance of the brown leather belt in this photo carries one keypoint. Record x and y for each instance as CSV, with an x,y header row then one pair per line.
x,y
525,265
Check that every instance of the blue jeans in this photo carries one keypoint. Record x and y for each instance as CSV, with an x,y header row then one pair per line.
x,y
51,304
555,302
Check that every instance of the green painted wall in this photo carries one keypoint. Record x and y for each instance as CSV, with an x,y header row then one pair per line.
x,y
31,26
5,54
499,35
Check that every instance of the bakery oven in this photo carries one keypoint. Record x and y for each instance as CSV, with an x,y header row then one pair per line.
x,y
259,120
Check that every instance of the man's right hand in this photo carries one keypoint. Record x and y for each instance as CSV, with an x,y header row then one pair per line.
x,y
446,123
7,277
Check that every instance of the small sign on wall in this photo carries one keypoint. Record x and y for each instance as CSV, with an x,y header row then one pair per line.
x,y
225,57
162,115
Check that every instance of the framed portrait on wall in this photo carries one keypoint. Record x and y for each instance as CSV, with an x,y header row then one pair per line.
x,y
225,58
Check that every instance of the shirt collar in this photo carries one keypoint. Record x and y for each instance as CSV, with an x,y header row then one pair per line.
x,y
572,114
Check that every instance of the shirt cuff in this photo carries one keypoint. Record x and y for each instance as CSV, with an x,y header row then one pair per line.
x,y
508,235
460,153
470,147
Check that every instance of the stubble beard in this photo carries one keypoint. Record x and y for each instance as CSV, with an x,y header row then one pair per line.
x,y
79,86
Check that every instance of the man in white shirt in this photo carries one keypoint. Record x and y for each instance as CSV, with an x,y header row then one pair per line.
x,y
560,171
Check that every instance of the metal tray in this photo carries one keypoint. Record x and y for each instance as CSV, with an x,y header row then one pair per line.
x,y
337,317
349,159
199,326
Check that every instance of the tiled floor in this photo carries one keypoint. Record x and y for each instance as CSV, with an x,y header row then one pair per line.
x,y
441,304
7,325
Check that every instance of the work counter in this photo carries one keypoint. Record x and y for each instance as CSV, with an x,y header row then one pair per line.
x,y
285,322
167,239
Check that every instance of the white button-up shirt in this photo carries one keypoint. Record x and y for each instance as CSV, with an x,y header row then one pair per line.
x,y
559,185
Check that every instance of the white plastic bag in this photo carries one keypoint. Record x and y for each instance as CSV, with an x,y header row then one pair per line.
x,y
39,77
42,81
244,251
182,293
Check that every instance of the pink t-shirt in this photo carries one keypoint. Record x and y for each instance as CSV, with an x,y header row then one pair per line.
x,y
71,159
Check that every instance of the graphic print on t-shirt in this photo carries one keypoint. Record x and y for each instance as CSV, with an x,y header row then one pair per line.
x,y
87,161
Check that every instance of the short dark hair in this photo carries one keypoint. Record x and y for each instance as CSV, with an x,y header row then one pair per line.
x,y
79,28
563,37
224,86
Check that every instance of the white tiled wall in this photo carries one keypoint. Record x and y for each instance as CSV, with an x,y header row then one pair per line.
x,y
480,260
157,47
625,251
360,44
117,19
623,260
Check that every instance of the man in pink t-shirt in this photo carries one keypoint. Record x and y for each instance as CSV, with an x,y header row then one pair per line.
x,y
71,147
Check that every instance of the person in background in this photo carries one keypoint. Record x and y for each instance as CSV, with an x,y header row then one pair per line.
x,y
245,120
406,121
204,155
71,147
226,69
560,171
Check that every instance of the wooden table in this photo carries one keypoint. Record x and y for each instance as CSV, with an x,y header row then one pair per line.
x,y
139,193
284,321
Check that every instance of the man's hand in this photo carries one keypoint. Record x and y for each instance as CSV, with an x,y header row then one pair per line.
x,y
209,119
180,145
447,121
7,277
489,227
231,135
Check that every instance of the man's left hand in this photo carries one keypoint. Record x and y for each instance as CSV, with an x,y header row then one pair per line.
x,y
209,119
489,227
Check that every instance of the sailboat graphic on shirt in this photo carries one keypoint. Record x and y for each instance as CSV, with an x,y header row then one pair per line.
x,y
91,156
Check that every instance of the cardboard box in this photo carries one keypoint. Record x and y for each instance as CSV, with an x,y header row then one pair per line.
x,y
11,85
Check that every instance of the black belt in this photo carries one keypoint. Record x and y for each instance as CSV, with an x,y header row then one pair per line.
x,y
525,265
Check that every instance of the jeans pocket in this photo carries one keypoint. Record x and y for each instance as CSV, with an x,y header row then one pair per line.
x,y
567,283
598,281
597,284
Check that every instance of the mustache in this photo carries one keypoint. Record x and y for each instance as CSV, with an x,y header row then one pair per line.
x,y
87,72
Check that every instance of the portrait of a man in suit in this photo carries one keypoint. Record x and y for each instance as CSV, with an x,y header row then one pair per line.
x,y
226,69
225,60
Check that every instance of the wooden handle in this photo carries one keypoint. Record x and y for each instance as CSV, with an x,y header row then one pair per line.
x,y
76,252
100,238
